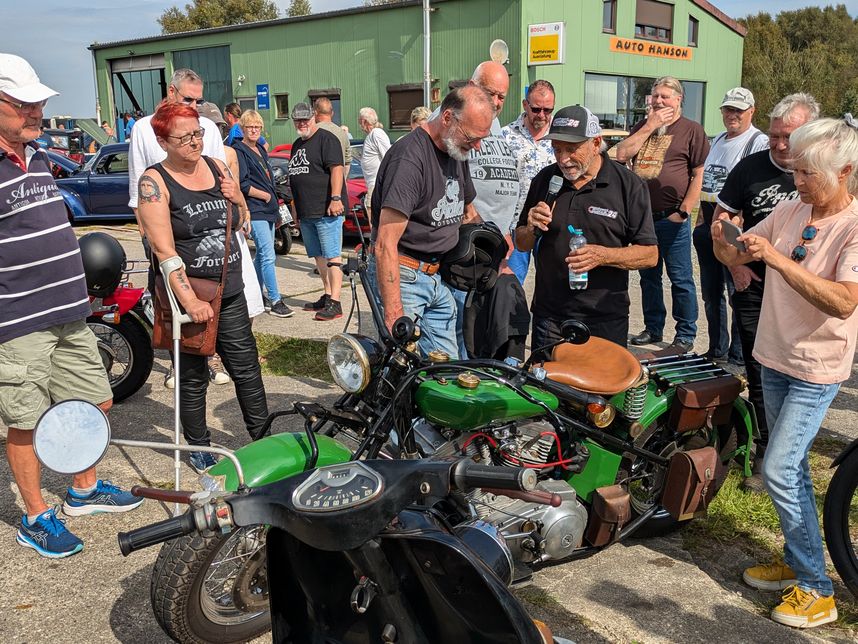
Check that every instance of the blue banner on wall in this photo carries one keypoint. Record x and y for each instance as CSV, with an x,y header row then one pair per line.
x,y
262,99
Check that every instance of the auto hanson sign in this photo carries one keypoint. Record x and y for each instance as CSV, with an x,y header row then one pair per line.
x,y
649,48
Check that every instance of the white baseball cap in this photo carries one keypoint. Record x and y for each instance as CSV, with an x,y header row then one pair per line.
x,y
19,80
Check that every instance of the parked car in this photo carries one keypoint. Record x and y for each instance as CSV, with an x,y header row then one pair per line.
x,y
355,184
612,137
61,165
69,142
99,189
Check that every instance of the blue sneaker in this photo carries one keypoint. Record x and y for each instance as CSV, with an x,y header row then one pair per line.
x,y
48,536
202,461
104,498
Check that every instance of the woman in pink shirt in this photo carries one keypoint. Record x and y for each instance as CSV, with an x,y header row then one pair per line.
x,y
806,344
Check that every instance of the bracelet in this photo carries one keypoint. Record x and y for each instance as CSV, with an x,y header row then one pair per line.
x,y
336,198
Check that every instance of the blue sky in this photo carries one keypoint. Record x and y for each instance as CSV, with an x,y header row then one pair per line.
x,y
58,48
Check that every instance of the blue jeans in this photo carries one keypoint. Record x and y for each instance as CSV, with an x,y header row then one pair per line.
x,y
428,298
460,297
794,411
674,253
714,277
263,237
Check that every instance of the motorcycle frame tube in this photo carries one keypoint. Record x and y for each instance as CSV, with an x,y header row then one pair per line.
x,y
748,415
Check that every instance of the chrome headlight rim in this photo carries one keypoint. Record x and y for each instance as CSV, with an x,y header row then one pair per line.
x,y
361,359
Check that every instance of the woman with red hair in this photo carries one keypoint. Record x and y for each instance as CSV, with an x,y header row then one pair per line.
x,y
183,206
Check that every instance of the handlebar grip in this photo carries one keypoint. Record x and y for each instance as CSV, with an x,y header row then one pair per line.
x,y
156,533
536,496
158,494
467,475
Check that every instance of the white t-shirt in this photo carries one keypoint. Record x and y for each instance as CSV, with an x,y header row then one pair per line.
x,y
375,146
494,172
144,150
724,155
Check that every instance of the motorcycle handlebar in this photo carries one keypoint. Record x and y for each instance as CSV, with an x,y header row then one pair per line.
x,y
467,475
157,533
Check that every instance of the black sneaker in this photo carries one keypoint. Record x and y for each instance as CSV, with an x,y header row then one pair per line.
x,y
319,304
266,303
280,310
333,310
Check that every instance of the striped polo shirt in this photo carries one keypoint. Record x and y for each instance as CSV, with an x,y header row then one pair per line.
x,y
42,281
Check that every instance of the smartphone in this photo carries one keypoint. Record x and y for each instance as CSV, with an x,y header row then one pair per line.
x,y
731,233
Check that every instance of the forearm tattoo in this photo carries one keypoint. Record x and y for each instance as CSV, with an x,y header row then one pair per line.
x,y
182,280
148,191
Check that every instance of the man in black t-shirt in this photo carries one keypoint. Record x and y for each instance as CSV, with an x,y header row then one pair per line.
x,y
318,183
423,193
753,188
610,204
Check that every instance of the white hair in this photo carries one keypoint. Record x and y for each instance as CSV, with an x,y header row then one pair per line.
x,y
185,75
368,114
827,146
787,107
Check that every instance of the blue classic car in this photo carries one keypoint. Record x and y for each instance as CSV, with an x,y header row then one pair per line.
x,y
99,189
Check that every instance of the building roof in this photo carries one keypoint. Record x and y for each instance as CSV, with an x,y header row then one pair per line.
x,y
721,17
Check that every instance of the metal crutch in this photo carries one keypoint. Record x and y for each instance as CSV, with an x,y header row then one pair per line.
x,y
169,266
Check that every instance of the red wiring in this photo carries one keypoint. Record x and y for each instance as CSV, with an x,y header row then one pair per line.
x,y
562,462
491,440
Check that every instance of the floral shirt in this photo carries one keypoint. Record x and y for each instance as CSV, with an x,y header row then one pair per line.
x,y
532,156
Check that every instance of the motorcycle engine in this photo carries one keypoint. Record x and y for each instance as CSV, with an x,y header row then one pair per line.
x,y
533,532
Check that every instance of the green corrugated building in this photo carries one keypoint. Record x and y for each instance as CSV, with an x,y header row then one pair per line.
x,y
601,53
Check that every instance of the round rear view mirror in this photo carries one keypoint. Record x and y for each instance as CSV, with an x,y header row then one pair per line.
x,y
71,436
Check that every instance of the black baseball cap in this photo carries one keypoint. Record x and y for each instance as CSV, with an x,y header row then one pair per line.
x,y
574,124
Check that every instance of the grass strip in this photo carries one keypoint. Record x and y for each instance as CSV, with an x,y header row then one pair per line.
x,y
296,357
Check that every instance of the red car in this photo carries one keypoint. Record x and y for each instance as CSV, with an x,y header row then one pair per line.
x,y
355,184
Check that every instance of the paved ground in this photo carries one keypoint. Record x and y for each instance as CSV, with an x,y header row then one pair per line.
x,y
642,591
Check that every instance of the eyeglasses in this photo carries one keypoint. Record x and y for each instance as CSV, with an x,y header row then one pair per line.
x,y
799,253
188,100
25,107
470,140
252,127
540,110
186,138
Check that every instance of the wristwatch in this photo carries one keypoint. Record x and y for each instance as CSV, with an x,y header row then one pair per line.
x,y
682,214
336,198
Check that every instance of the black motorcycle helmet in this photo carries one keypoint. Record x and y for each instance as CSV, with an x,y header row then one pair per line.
x,y
103,263
473,263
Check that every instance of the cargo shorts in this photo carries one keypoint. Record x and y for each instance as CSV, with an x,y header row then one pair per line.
x,y
48,366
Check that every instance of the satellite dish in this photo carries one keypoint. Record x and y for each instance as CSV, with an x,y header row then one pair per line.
x,y
499,51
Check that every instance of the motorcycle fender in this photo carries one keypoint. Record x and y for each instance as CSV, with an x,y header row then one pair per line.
x,y
656,405
275,458
125,298
846,452
748,414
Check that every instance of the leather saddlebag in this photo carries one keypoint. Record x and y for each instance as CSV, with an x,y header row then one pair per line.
x,y
691,483
609,513
704,403
197,338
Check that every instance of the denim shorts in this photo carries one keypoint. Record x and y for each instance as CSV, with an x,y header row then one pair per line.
x,y
323,236
49,366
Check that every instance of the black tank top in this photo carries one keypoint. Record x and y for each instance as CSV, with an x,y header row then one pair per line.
x,y
198,219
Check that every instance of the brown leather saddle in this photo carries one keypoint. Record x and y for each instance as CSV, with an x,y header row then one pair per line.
x,y
598,367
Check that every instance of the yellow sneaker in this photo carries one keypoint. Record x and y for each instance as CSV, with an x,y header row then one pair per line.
x,y
804,609
773,576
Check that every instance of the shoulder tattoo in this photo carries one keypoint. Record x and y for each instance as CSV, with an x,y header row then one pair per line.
x,y
148,190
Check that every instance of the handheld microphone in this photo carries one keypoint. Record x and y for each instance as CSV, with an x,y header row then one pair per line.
x,y
551,196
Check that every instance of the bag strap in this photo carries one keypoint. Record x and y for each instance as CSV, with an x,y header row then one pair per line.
x,y
750,144
212,164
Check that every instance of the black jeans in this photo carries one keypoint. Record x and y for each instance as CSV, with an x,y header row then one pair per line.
x,y
746,305
547,330
237,348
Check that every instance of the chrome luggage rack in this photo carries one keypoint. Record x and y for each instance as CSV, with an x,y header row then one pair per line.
x,y
670,371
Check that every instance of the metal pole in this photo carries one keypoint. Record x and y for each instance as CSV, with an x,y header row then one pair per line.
x,y
427,52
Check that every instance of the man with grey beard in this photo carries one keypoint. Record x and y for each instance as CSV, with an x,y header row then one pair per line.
x,y
423,193
611,206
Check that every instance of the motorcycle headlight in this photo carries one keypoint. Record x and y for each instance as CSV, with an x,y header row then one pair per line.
x,y
350,359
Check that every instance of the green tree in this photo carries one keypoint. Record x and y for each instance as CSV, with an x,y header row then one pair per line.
x,y
299,8
203,14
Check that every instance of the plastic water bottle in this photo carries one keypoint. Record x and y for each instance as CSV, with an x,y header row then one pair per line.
x,y
577,281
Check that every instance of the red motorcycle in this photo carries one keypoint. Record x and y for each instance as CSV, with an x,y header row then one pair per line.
x,y
121,314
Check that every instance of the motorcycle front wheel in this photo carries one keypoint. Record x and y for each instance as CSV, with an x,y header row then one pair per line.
x,y
126,352
282,240
212,588
840,519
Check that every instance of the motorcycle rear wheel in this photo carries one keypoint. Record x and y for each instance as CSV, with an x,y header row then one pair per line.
x,y
126,351
196,584
840,520
282,240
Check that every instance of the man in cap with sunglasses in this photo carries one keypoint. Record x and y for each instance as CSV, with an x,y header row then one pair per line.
x,y
47,352
610,204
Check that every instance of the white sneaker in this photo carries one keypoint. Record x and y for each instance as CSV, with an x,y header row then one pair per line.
x,y
217,374
170,379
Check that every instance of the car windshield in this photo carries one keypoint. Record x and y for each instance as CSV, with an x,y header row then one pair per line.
x,y
355,170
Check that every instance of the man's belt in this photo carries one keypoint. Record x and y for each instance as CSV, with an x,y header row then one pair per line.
x,y
667,212
430,268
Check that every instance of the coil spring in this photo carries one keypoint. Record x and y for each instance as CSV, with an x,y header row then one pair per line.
x,y
634,401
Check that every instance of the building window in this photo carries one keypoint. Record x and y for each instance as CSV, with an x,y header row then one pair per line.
x,y
693,31
281,106
609,16
333,95
619,102
401,99
654,20
246,102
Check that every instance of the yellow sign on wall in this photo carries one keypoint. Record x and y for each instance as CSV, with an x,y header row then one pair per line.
x,y
545,43
649,48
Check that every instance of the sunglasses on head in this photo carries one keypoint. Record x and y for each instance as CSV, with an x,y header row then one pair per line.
x,y
799,253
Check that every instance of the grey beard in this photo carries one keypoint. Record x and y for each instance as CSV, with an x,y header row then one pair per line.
x,y
661,131
453,149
